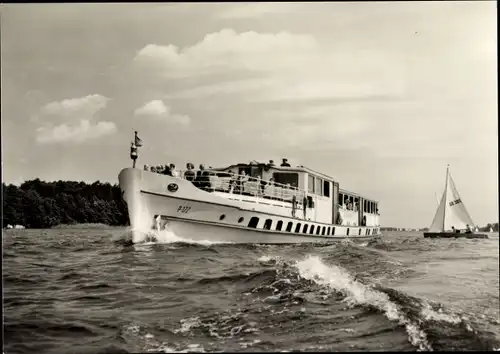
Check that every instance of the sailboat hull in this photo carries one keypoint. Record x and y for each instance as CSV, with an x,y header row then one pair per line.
x,y
452,235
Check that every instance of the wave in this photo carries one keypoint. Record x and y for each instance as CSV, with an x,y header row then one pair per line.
x,y
287,290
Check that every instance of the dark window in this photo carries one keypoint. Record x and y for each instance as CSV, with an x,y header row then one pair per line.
x,y
222,217
284,178
241,219
326,188
297,228
279,225
333,231
341,199
253,222
359,232
328,231
318,230
310,184
347,231
289,226
364,206
368,231
305,229
323,231
311,231
267,224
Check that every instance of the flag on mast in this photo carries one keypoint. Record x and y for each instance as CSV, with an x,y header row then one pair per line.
x,y
138,141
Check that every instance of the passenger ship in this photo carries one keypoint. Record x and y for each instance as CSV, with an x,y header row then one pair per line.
x,y
241,205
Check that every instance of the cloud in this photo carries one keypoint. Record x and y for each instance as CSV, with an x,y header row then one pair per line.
x,y
73,120
153,108
158,109
228,50
87,105
289,66
80,133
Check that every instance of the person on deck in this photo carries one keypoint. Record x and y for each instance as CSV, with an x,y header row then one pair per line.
x,y
271,163
232,181
285,163
468,231
166,170
173,171
189,174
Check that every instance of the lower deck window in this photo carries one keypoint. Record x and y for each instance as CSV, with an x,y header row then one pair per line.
x,y
267,224
297,228
312,229
254,221
289,227
305,229
279,225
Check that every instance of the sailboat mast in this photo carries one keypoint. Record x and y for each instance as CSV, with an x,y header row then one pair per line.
x,y
445,194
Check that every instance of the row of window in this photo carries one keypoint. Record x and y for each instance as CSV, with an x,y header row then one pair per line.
x,y
352,203
299,227
318,186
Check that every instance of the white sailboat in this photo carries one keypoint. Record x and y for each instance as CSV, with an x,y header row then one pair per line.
x,y
451,218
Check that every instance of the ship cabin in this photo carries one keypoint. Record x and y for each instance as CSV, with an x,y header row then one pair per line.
x,y
280,186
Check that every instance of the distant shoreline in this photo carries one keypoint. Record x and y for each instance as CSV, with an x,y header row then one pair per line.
x,y
84,226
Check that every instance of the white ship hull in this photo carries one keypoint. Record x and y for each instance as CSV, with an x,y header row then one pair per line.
x,y
191,213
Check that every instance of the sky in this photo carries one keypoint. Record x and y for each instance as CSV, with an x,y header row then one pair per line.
x,y
379,95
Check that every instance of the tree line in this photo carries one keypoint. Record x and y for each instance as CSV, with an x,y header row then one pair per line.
x,y
40,204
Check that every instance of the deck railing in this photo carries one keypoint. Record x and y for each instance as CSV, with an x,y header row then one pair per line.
x,y
244,185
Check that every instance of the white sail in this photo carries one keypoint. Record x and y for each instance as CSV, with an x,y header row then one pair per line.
x,y
451,210
438,221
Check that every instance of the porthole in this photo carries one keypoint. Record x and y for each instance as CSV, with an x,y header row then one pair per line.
x,y
222,217
347,231
241,219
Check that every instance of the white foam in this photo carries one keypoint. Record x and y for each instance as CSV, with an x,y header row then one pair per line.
x,y
312,268
167,237
429,314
